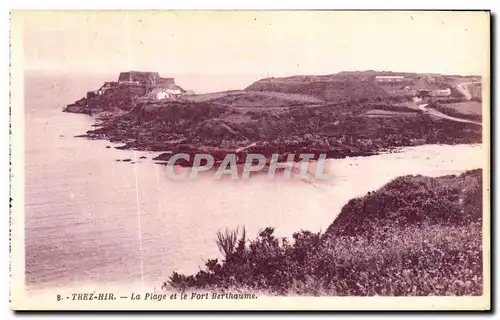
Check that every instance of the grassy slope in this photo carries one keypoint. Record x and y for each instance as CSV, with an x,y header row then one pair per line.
x,y
471,110
254,98
415,236
336,89
467,107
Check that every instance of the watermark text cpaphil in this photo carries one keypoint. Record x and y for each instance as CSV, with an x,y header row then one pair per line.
x,y
294,166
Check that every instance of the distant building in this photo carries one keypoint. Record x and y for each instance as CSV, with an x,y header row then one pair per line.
x,y
170,92
174,91
145,84
106,86
389,78
159,94
441,92
139,77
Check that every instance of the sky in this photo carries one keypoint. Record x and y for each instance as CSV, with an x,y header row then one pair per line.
x,y
239,43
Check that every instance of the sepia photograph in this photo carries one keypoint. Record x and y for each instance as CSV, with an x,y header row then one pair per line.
x,y
250,160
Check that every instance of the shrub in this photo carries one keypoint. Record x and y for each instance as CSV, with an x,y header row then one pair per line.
x,y
227,240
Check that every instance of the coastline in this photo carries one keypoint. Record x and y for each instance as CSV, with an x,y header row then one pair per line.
x,y
354,128
339,115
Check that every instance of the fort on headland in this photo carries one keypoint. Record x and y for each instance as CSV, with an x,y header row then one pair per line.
x,y
130,87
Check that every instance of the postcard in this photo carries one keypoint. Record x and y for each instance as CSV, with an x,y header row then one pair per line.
x,y
250,160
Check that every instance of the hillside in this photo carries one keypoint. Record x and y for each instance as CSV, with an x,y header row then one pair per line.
x,y
416,236
363,85
254,99
336,89
418,200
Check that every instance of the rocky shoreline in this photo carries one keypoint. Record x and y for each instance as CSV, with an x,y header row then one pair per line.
x,y
269,122
348,136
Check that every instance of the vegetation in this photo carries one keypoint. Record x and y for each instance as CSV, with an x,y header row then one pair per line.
x,y
415,236
466,109
338,89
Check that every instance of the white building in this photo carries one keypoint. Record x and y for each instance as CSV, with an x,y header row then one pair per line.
x,y
174,92
441,93
389,78
165,93
160,94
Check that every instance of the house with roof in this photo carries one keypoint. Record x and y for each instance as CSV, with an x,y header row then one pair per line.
x,y
441,92
166,92
389,78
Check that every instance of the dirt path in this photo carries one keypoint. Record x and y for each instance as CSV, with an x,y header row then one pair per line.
x,y
463,88
445,116
439,114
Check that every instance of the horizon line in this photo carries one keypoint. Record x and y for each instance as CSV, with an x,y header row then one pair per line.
x,y
31,70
